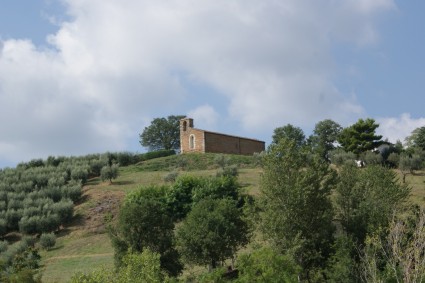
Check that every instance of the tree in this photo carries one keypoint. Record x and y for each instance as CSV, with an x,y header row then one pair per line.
x,y
163,133
400,255
146,224
297,210
290,132
366,198
417,138
109,172
325,135
47,241
212,232
360,136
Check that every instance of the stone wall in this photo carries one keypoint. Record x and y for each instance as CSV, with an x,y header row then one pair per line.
x,y
195,140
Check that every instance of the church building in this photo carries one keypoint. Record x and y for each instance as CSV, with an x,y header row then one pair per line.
x,y
196,140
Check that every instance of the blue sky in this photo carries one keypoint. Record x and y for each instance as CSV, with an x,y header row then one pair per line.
x,y
80,77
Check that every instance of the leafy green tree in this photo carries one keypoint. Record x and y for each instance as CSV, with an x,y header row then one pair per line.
x,y
109,172
366,198
297,210
325,135
163,133
417,138
290,132
146,224
360,136
212,232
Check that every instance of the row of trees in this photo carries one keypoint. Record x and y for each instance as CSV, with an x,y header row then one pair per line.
x,y
358,142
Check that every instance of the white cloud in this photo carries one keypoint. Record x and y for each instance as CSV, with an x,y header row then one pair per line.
x,y
399,128
116,64
205,117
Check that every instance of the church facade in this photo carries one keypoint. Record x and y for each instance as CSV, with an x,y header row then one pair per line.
x,y
196,140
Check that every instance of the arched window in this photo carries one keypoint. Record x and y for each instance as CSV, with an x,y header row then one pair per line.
x,y
192,142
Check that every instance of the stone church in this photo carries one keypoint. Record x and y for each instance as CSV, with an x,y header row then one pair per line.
x,y
196,140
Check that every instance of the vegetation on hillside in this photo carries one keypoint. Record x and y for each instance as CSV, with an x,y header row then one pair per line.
x,y
317,216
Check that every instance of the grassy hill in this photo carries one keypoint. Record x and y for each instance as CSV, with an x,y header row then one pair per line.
x,y
83,245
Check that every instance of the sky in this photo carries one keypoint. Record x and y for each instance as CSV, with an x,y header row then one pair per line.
x,y
80,77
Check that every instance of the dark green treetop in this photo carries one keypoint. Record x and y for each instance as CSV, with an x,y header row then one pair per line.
x,y
360,136
163,133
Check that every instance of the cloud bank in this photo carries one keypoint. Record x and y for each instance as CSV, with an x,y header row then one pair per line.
x,y
114,65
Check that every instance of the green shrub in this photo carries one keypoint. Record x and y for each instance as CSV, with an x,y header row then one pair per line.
x,y
228,171
47,241
372,158
340,157
171,176
79,173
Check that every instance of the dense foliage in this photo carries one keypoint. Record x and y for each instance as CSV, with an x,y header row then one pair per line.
x,y
162,133
297,210
360,137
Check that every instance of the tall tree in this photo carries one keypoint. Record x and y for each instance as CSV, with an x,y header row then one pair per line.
x,y
297,210
360,136
325,134
146,224
163,133
290,132
366,198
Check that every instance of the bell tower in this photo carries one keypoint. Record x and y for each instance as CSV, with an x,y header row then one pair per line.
x,y
186,124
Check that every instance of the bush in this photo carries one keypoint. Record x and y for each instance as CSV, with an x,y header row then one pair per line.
x,y
79,173
171,177
340,157
372,158
221,160
47,241
228,171
72,191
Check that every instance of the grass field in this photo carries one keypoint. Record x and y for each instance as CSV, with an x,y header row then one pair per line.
x,y
84,244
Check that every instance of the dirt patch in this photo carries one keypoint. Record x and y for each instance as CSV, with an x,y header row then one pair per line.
x,y
100,207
